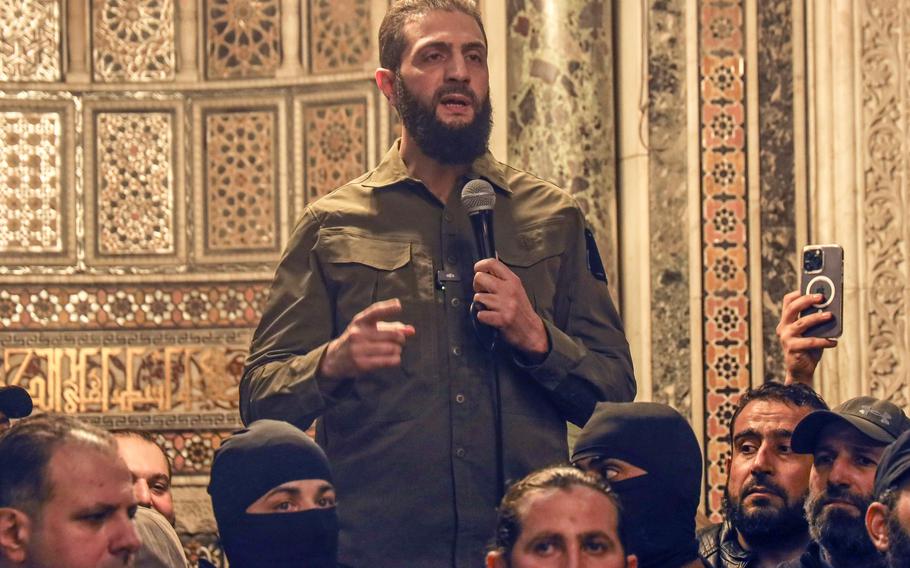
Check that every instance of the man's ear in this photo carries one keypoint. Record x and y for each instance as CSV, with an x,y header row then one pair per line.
x,y
385,80
495,559
877,525
15,531
631,561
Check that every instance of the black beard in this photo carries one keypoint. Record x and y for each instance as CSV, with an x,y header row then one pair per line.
x,y
898,554
766,527
841,533
445,144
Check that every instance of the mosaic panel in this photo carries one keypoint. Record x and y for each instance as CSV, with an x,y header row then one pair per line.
x,y
335,141
340,32
242,38
668,141
30,40
885,56
561,88
30,182
133,40
115,307
241,193
135,183
777,174
127,379
725,244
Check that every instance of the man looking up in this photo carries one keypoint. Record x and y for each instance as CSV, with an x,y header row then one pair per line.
x,y
560,517
767,483
151,471
649,455
66,500
416,409
888,517
847,445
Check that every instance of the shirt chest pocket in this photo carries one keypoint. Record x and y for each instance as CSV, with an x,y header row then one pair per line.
x,y
536,255
360,270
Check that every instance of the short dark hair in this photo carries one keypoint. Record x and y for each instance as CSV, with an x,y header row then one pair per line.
x,y
148,437
508,524
795,394
393,44
26,450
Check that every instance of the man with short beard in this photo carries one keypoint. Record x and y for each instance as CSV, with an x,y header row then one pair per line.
x,y
767,483
847,445
368,325
888,517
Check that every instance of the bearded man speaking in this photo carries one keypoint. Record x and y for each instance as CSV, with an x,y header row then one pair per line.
x,y
369,326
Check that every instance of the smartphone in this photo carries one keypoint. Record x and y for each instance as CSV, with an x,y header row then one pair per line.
x,y
823,273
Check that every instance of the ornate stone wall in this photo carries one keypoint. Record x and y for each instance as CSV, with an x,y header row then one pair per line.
x,y
149,181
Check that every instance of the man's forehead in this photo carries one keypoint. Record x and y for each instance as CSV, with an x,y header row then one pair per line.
x,y
441,26
770,413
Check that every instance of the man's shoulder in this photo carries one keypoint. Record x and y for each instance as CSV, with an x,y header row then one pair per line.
x,y
709,540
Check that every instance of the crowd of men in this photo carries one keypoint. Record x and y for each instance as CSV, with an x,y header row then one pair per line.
x,y
441,438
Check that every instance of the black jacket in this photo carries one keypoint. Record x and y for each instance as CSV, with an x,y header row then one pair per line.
x,y
720,548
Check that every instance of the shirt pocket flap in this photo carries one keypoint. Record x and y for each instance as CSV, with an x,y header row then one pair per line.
x,y
380,254
531,246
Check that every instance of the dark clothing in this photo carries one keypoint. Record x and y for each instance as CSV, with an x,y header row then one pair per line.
x,y
813,557
720,547
413,448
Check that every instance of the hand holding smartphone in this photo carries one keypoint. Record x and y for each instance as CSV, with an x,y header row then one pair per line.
x,y
823,273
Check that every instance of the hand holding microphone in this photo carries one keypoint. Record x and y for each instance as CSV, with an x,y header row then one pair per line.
x,y
500,300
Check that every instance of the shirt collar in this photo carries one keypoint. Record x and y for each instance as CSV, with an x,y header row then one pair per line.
x,y
392,170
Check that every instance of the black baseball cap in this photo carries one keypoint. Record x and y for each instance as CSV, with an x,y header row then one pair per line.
x,y
877,419
15,401
894,466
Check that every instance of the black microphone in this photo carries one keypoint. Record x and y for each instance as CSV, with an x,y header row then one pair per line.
x,y
478,199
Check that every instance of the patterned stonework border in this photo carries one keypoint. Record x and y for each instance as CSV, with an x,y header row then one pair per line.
x,y
66,176
725,229
276,106
93,225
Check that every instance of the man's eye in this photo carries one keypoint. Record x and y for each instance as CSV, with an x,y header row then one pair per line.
x,y
159,488
822,459
327,501
748,448
284,506
866,462
609,472
596,546
544,548
785,449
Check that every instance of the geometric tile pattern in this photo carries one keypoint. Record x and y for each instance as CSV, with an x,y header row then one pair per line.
x,y
128,379
340,35
135,182
241,194
242,38
725,244
115,307
191,452
335,142
30,182
133,40
30,40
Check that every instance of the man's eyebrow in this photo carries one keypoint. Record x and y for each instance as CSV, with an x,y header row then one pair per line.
x,y
747,433
95,509
292,491
474,45
323,489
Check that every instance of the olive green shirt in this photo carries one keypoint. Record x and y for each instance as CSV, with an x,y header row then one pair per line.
x,y
413,449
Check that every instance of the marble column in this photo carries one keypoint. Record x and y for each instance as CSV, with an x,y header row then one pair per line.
x,y
560,116
77,42
188,43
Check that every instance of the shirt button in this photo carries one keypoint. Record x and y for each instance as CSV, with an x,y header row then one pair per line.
x,y
456,351
455,302
459,398
460,452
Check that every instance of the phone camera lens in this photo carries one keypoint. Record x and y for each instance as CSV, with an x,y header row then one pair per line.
x,y
813,260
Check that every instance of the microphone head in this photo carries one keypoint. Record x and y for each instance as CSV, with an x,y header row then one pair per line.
x,y
477,195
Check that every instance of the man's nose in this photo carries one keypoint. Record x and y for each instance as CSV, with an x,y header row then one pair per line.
x,y
763,460
841,472
457,68
125,540
142,493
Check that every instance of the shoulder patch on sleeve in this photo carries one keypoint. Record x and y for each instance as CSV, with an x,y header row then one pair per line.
x,y
595,264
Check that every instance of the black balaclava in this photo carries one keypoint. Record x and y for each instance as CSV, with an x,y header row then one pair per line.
x,y
248,465
658,509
